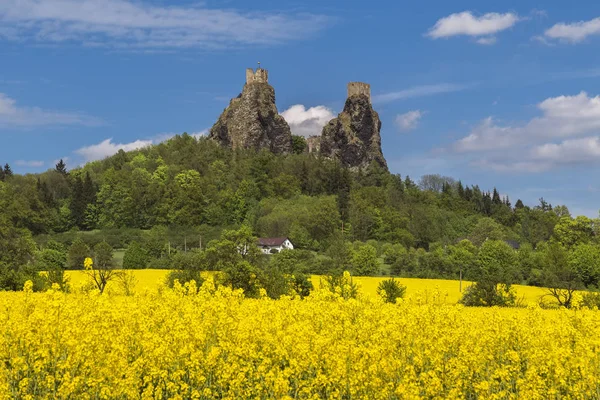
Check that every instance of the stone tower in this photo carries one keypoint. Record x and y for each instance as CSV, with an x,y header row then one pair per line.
x,y
258,76
251,120
359,89
354,136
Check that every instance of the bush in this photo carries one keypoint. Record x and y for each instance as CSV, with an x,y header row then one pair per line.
x,y
184,276
342,284
390,290
485,295
13,278
590,300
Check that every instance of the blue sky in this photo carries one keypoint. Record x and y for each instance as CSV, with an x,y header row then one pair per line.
x,y
494,93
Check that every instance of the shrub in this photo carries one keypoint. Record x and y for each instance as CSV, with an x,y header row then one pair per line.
x,y
390,290
184,276
590,300
342,284
485,295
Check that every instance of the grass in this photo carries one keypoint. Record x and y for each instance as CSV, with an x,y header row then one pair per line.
x,y
448,289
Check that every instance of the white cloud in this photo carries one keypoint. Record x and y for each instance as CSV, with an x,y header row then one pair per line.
x,y
200,134
408,121
418,91
129,23
574,151
107,148
465,23
12,115
563,117
565,134
487,40
574,32
29,164
161,137
307,122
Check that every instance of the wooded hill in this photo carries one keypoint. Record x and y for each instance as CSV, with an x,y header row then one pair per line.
x,y
194,185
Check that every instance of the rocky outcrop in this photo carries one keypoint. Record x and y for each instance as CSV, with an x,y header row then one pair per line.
x,y
251,120
354,136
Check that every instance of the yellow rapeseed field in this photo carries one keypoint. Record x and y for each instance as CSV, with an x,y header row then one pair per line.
x,y
448,289
185,344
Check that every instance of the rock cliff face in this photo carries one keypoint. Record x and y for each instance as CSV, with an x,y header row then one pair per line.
x,y
354,136
251,120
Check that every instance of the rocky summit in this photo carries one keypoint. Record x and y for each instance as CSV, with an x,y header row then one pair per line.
x,y
354,136
251,120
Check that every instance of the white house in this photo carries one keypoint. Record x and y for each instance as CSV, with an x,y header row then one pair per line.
x,y
274,245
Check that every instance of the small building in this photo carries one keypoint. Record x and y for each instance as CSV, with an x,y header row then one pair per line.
x,y
274,245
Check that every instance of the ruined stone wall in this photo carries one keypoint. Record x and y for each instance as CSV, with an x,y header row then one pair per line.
x,y
313,144
258,76
359,88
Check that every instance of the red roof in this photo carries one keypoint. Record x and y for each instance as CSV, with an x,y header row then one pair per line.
x,y
278,241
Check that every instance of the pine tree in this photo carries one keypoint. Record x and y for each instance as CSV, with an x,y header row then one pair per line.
x,y
496,198
61,167
408,182
460,190
446,189
7,171
78,203
487,204
519,204
44,193
468,194
89,190
2,175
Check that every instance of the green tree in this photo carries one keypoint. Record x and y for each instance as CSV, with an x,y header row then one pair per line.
x,y
61,167
571,232
102,270
486,228
7,171
496,271
365,261
559,275
78,252
585,260
135,257
298,144
53,263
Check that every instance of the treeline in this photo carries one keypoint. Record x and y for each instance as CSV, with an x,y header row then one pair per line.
x,y
186,190
190,182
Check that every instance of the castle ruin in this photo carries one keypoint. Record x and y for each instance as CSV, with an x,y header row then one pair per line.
x,y
258,76
359,89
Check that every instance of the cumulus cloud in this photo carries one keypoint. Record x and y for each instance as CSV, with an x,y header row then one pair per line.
x,y
565,134
418,91
29,164
129,23
574,151
574,32
107,148
563,117
465,23
307,122
408,121
12,115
